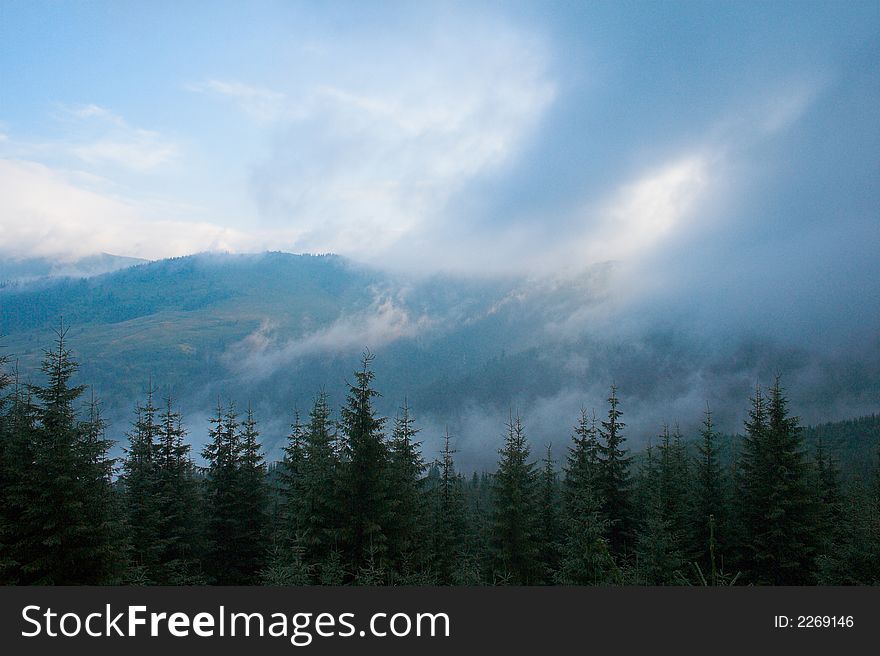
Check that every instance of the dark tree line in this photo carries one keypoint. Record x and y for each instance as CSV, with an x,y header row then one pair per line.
x,y
354,502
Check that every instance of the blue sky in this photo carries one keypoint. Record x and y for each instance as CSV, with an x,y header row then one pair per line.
x,y
702,143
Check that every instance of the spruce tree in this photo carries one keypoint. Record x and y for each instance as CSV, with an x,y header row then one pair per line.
x,y
252,502
614,480
675,489
5,380
791,540
286,565
319,504
449,521
776,512
752,483
582,466
406,528
855,556
19,482
140,488
515,524
585,557
6,525
290,474
224,531
180,527
63,520
364,488
550,522
658,559
709,507
659,546
475,555
829,504
100,503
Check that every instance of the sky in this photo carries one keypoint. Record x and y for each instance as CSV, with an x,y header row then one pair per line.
x,y
705,145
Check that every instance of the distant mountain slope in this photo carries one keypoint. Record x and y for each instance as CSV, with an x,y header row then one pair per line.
x,y
854,443
29,269
273,329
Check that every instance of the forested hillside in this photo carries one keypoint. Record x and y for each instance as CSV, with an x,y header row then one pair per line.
x,y
23,270
275,327
357,500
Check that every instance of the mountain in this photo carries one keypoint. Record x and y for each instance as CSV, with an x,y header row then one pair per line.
x,y
273,329
30,269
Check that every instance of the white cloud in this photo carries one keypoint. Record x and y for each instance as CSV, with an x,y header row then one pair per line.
x,y
90,111
645,211
102,137
259,103
140,150
97,138
386,320
371,145
51,213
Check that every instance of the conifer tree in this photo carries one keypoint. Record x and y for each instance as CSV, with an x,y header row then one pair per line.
x,y
364,487
318,504
550,523
474,559
585,557
674,490
614,480
11,469
876,476
252,502
658,560
180,527
18,481
140,485
708,498
66,540
286,565
291,479
224,530
515,524
826,485
406,468
855,556
5,379
791,539
753,483
659,557
776,510
6,523
449,522
100,503
333,570
583,456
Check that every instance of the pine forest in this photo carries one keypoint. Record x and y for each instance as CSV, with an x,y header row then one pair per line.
x,y
356,501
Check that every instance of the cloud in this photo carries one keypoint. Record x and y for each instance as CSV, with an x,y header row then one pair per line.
x,y
386,320
94,111
645,211
105,138
140,150
370,154
53,213
102,137
95,137
258,103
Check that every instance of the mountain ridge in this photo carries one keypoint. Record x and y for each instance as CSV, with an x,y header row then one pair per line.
x,y
274,328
